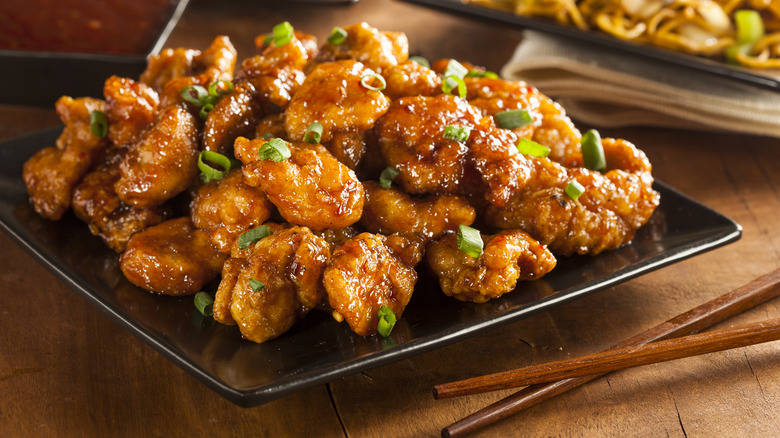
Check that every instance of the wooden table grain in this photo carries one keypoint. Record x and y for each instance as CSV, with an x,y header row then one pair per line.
x,y
68,370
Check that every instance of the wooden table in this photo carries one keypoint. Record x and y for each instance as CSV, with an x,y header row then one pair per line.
x,y
68,370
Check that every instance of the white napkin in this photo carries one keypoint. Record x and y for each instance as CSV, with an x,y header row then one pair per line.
x,y
602,87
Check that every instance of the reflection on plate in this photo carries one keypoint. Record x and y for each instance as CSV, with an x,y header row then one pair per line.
x,y
318,349
40,78
749,76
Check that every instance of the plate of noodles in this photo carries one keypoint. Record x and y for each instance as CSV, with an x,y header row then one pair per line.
x,y
736,39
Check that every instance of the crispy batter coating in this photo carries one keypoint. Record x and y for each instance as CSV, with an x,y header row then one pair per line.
x,y
377,50
228,207
409,78
311,188
271,126
493,96
411,137
234,115
333,95
131,107
389,211
289,264
167,65
606,216
364,274
52,173
508,257
96,203
558,133
163,163
502,168
171,258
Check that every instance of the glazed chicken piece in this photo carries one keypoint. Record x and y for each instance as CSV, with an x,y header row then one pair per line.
x,y
493,96
335,95
311,188
389,211
412,141
508,257
52,173
606,216
558,133
275,285
364,274
271,126
409,78
235,115
96,203
502,168
171,258
131,107
167,65
228,207
365,44
163,163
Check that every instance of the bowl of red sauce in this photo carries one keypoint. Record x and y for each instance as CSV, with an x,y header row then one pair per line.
x,y
50,48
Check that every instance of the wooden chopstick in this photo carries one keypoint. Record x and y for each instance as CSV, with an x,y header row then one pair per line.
x,y
699,318
618,359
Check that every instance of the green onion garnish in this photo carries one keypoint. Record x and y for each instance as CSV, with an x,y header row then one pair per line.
x,y
282,33
313,133
275,150
574,190
199,98
365,81
207,171
457,133
513,119
204,303
481,74
420,60
253,236
387,176
338,36
256,286
592,151
750,26
98,123
452,82
205,110
470,241
386,321
213,88
532,148
454,68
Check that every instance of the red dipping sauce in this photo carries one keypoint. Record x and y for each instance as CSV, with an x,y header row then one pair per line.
x,y
83,26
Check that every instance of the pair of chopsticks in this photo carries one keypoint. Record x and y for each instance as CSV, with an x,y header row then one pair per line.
x,y
673,339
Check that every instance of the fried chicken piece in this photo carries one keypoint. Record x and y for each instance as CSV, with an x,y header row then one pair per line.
x,y
502,168
96,203
391,210
377,50
52,173
171,258
508,257
228,207
606,216
163,163
493,96
364,274
271,127
167,65
235,115
558,133
333,95
411,137
311,188
131,107
409,78
289,266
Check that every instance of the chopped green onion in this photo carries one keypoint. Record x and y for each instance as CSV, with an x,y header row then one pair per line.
x,y
98,123
454,68
208,172
452,82
253,236
200,96
204,303
338,36
386,321
364,81
481,74
513,119
750,26
205,110
275,150
256,286
313,133
532,148
592,151
203,98
213,88
458,133
420,60
470,241
282,33
574,190
387,176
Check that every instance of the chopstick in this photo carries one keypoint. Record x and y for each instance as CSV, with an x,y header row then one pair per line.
x,y
618,359
699,318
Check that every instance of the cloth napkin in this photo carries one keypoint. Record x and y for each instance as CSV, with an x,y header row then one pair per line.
x,y
610,88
